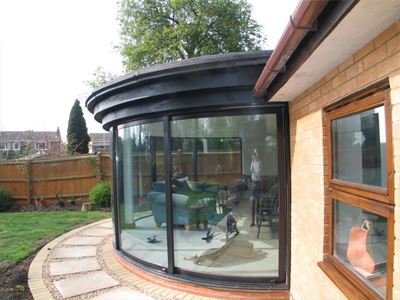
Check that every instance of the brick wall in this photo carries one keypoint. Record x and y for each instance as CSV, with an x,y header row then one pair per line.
x,y
378,59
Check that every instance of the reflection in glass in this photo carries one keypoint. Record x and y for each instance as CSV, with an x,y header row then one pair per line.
x,y
225,199
141,192
360,242
359,147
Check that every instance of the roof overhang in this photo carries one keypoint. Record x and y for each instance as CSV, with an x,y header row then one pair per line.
x,y
343,27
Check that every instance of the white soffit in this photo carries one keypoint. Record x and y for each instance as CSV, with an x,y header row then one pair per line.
x,y
364,22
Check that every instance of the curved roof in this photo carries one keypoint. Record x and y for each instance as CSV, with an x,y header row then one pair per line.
x,y
196,82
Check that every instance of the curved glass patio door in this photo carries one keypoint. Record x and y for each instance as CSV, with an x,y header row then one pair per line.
x,y
142,192
225,197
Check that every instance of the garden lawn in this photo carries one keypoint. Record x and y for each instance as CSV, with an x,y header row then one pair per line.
x,y
21,233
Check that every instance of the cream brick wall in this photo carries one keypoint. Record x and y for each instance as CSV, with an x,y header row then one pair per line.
x,y
379,58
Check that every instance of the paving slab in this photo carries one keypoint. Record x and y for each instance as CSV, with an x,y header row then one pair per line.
x,y
107,225
74,266
122,293
96,231
73,252
84,240
86,283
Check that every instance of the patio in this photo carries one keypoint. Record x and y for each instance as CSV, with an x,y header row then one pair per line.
x,y
81,264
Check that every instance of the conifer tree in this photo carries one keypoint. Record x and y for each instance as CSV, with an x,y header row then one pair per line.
x,y
77,135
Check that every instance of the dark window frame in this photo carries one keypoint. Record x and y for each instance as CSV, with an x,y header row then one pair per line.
x,y
279,282
377,200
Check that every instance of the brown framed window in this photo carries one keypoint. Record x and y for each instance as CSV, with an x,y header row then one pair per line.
x,y
359,238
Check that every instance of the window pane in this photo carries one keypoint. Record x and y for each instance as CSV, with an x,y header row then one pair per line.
x,y
360,242
141,192
218,183
359,147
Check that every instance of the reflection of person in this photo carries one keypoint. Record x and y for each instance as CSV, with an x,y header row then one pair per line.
x,y
255,169
218,169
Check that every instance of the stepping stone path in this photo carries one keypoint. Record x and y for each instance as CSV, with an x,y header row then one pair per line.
x,y
74,270
81,265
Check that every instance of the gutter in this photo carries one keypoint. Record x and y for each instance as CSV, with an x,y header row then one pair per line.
x,y
301,22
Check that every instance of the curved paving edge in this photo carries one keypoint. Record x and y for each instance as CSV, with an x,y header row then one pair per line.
x,y
36,278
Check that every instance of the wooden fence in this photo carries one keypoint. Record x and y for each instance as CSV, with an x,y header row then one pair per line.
x,y
70,177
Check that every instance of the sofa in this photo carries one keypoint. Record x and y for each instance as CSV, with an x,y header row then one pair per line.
x,y
185,193
181,208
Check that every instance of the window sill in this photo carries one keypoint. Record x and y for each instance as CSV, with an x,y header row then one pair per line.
x,y
350,287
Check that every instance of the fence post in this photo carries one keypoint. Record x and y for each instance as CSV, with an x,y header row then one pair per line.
x,y
100,167
28,170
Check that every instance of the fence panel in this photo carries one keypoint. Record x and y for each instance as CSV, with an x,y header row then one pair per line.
x,y
69,177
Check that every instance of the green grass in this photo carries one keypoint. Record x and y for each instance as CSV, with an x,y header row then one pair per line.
x,y
22,232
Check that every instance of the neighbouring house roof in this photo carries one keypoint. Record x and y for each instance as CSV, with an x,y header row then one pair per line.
x,y
319,36
100,138
29,135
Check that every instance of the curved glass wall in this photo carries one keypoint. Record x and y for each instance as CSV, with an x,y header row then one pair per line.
x,y
222,197
225,187
140,186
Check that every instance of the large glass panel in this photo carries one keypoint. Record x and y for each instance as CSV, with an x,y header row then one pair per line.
x,y
359,147
226,195
360,242
141,192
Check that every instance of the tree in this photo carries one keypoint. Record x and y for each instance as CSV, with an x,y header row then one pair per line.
x,y
77,135
100,77
158,31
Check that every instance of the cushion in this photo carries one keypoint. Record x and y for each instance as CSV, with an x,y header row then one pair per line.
x,y
180,200
180,185
196,186
158,186
211,188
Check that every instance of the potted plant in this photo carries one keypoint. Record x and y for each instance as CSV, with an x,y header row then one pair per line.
x,y
41,202
71,202
59,202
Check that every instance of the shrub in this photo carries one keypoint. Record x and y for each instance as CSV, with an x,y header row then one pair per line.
x,y
101,194
5,199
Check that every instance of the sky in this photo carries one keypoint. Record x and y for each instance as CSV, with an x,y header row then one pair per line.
x,y
50,48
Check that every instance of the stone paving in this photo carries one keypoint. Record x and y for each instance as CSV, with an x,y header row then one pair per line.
x,y
81,265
